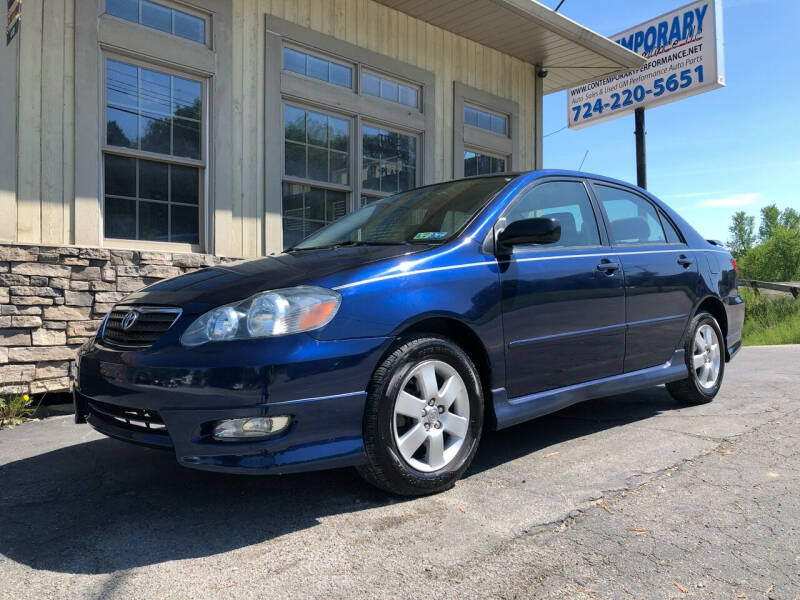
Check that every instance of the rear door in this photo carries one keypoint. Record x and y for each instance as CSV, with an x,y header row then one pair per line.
x,y
660,274
563,304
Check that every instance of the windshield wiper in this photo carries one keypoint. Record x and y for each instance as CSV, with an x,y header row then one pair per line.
x,y
349,243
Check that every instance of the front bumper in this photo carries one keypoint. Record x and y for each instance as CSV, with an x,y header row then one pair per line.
x,y
319,384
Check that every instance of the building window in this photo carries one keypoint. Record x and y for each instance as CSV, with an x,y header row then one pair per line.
x,y
317,146
359,135
316,171
486,120
485,139
307,208
317,67
478,163
158,16
149,200
153,156
389,89
152,111
389,162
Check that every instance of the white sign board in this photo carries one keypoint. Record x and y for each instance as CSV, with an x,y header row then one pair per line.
x,y
684,56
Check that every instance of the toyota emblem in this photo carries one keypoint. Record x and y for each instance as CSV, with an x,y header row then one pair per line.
x,y
129,319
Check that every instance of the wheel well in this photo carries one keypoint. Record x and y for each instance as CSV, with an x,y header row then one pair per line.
x,y
470,343
717,309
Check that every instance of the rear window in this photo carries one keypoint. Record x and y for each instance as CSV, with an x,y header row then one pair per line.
x,y
631,218
673,237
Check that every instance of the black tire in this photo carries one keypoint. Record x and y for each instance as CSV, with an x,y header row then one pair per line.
x,y
689,390
385,467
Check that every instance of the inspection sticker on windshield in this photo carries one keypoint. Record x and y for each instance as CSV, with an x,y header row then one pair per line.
x,y
431,235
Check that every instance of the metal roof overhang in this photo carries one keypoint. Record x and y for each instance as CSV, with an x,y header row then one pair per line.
x,y
529,31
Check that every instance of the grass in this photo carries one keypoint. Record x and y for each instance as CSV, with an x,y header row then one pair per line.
x,y
15,410
770,319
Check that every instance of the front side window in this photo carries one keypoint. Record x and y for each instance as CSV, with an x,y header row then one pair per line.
x,y
153,158
478,163
631,218
566,201
158,16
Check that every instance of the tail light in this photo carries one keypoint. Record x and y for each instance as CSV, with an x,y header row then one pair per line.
x,y
735,266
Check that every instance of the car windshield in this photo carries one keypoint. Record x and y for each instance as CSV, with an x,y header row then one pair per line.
x,y
429,215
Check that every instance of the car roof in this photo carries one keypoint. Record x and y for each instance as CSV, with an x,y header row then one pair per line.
x,y
563,173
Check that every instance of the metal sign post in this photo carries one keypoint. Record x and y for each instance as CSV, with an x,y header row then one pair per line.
x,y
641,157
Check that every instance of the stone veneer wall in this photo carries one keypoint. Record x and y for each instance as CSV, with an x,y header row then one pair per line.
x,y
52,299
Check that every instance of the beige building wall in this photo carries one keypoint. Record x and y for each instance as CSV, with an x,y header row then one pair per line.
x,y
44,211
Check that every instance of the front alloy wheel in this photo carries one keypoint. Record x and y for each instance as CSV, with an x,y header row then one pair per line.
x,y
423,418
431,416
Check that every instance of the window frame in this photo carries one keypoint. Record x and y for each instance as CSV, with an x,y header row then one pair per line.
x,y
501,221
287,87
184,8
107,149
593,183
469,138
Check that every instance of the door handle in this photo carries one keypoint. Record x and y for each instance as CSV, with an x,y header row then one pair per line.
x,y
685,261
608,267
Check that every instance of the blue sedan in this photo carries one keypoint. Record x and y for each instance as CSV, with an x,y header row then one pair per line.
x,y
390,339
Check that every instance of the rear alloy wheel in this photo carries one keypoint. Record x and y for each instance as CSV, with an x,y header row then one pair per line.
x,y
705,362
423,418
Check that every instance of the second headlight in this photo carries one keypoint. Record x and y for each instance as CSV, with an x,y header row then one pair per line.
x,y
267,314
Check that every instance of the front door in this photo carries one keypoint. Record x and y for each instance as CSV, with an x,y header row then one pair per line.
x,y
661,275
563,303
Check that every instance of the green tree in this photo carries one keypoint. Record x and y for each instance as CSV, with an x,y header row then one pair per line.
x,y
770,219
742,231
776,259
790,219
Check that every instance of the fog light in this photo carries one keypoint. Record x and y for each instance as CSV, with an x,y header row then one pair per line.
x,y
231,430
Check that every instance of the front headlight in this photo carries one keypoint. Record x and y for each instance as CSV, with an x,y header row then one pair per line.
x,y
268,314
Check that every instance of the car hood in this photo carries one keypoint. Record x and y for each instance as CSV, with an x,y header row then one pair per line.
x,y
208,288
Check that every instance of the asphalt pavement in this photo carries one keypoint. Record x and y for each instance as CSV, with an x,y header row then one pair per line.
x,y
633,496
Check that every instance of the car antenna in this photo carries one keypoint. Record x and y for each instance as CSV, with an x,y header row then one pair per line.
x,y
583,161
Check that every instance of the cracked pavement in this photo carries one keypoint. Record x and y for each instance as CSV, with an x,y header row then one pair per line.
x,y
632,496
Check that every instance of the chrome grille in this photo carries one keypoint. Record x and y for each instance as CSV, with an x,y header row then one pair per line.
x,y
149,324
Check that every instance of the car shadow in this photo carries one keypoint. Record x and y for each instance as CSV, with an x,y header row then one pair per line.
x,y
104,506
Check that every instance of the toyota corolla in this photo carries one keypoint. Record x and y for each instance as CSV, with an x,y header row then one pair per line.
x,y
392,338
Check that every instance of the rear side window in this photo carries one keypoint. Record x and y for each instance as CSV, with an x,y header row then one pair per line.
x,y
565,201
673,237
631,218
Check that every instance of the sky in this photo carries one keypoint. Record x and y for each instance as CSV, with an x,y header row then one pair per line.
x,y
710,155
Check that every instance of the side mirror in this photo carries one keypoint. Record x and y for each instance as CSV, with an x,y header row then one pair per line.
x,y
541,230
